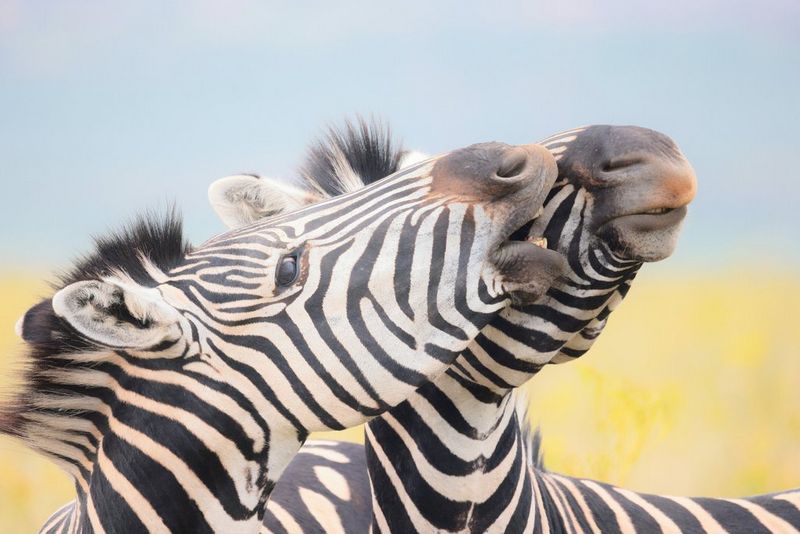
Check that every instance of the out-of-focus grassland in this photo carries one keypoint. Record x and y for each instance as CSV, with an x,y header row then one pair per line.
x,y
694,388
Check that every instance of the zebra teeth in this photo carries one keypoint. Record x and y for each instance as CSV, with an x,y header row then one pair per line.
x,y
657,211
538,241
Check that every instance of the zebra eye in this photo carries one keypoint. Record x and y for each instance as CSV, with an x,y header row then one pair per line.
x,y
287,271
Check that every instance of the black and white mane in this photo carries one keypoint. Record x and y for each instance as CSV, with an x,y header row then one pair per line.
x,y
350,157
149,241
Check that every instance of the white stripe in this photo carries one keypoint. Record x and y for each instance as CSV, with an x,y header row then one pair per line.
x,y
285,519
665,523
140,506
764,516
704,518
623,519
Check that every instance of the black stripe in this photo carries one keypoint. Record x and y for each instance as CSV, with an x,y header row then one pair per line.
x,y
183,443
781,508
437,266
357,287
575,508
469,356
486,512
537,340
436,452
265,347
166,394
113,511
731,516
523,505
396,516
313,307
564,321
300,344
604,517
559,218
427,500
157,485
404,264
680,515
641,519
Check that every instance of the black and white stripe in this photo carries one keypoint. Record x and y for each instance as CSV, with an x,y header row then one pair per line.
x,y
323,490
457,456
587,218
175,384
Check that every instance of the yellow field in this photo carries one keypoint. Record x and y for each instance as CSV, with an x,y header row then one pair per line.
x,y
694,388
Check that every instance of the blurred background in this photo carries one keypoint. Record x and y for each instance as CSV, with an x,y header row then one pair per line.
x,y
110,108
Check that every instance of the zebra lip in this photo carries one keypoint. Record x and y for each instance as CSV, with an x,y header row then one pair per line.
x,y
650,220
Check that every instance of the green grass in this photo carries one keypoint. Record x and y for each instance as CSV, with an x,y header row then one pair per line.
x,y
694,388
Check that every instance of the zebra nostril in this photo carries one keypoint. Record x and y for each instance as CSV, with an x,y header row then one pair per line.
x,y
512,164
618,164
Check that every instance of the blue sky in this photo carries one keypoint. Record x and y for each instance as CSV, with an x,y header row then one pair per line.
x,y
106,110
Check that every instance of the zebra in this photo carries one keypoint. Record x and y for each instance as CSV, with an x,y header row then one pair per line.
x,y
327,488
174,384
458,455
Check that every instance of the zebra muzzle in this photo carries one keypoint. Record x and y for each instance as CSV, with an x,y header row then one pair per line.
x,y
528,268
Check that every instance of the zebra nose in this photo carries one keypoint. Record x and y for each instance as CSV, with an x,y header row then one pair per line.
x,y
678,182
621,164
512,164
671,178
489,171
524,163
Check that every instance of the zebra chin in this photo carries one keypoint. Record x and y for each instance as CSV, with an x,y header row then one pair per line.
x,y
644,237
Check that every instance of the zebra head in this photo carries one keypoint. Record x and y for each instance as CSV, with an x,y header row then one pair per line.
x,y
619,200
633,186
224,357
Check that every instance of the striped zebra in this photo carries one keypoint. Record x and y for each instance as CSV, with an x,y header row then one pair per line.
x,y
497,483
174,384
457,455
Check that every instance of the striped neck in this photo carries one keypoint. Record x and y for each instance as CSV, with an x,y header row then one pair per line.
x,y
450,470
461,443
469,471
159,447
559,328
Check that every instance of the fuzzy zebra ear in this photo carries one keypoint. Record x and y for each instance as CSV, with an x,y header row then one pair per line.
x,y
244,198
118,315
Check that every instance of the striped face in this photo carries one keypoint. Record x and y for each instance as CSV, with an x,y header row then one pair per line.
x,y
632,186
618,201
157,370
341,309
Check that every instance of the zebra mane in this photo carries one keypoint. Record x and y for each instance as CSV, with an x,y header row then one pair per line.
x,y
531,437
149,241
349,157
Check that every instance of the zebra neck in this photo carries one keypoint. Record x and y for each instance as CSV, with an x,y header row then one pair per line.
x,y
449,460
454,460
508,354
154,448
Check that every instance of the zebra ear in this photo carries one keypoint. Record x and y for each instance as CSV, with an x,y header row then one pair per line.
x,y
118,315
244,198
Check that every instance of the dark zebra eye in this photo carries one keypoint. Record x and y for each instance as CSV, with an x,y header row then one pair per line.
x,y
287,271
